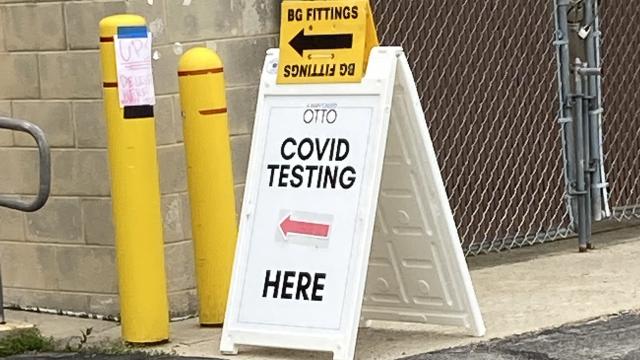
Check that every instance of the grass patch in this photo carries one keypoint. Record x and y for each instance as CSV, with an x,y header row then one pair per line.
x,y
32,341
27,340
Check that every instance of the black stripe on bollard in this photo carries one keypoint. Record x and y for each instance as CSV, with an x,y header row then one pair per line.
x,y
138,112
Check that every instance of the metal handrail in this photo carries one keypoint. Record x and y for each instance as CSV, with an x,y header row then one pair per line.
x,y
45,166
45,179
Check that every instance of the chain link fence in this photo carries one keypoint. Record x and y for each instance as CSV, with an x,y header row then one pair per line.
x,y
621,68
486,73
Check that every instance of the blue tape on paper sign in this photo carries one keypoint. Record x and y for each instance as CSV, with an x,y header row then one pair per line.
x,y
130,32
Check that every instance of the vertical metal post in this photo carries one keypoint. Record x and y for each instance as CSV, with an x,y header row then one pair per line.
x,y
598,187
565,115
598,42
597,35
588,164
590,135
580,188
588,25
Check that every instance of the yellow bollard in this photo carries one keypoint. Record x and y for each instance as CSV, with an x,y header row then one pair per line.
x,y
135,192
210,177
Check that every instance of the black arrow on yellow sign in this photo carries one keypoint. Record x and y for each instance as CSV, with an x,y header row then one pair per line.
x,y
302,42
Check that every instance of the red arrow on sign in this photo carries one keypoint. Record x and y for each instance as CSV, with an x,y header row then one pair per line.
x,y
303,228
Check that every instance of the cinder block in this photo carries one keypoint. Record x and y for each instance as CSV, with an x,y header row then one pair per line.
x,y
6,136
241,103
87,269
5,108
183,303
179,266
53,117
173,170
37,268
186,215
48,299
2,41
165,69
177,118
34,27
108,305
91,127
59,221
155,16
243,58
80,172
174,218
19,74
19,173
260,17
203,19
70,75
165,126
97,219
83,18
12,227
240,148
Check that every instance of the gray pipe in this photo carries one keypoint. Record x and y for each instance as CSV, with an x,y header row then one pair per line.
x,y
566,118
45,166
581,191
595,111
597,35
586,138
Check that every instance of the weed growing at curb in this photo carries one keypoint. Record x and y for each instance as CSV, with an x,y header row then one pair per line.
x,y
81,344
27,340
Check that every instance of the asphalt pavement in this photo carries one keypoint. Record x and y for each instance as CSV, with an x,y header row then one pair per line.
x,y
615,337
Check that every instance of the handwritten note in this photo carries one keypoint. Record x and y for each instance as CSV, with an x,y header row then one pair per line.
x,y
133,63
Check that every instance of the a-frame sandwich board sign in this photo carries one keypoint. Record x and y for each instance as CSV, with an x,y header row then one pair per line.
x,y
417,271
315,187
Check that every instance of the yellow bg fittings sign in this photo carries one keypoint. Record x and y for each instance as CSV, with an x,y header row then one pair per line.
x,y
323,41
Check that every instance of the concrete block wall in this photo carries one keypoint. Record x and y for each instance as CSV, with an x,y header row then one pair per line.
x,y
62,257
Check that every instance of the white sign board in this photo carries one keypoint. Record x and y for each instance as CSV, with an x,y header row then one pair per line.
x,y
133,64
310,205
317,150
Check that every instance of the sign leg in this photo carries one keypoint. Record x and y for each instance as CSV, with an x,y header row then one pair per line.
x,y
344,354
227,347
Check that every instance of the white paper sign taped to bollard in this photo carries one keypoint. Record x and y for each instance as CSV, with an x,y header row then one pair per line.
x,y
315,189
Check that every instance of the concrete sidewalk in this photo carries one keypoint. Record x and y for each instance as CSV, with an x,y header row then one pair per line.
x,y
519,291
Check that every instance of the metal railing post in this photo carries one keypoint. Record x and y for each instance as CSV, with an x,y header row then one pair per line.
x,y
599,193
597,36
565,117
44,174
580,159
